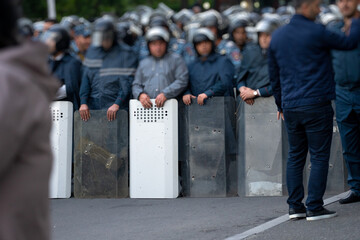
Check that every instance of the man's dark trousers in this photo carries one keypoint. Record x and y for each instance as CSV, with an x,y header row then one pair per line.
x,y
310,129
348,119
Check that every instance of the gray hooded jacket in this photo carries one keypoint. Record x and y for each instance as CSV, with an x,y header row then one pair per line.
x,y
26,90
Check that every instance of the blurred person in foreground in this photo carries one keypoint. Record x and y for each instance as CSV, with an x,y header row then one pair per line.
x,y
303,84
26,90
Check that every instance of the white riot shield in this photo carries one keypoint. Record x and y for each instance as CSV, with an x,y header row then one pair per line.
x,y
154,150
61,143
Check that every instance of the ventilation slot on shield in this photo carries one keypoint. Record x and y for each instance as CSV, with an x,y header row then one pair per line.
x,y
57,115
150,115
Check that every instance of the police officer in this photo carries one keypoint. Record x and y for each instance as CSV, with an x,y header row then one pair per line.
x,y
82,41
63,65
237,32
70,22
174,45
223,46
108,73
210,74
253,77
129,35
163,74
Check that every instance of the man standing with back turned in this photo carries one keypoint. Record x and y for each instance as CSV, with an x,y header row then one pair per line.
x,y
302,79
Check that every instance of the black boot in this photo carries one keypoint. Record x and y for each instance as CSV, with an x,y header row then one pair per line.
x,y
350,199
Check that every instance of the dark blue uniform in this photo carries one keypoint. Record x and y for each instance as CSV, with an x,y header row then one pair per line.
x,y
107,77
253,71
68,71
213,76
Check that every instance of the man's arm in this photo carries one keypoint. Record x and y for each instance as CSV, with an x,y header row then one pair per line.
x,y
218,89
85,86
181,79
336,41
137,85
227,73
266,91
274,75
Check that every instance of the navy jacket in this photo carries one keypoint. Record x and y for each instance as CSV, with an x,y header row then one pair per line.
x,y
300,66
213,76
253,71
346,63
68,71
107,77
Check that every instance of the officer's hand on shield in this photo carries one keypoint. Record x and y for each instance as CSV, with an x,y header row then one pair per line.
x,y
247,93
84,112
160,100
187,99
250,101
111,112
145,100
201,98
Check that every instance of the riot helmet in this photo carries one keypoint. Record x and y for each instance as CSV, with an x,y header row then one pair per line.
x,y
213,20
131,16
157,39
267,10
203,35
128,32
38,28
57,38
237,32
328,18
264,29
158,21
25,27
210,21
238,23
285,10
157,33
183,17
104,34
254,18
266,26
82,30
70,21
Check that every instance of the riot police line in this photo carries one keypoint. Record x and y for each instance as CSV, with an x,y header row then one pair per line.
x,y
220,153
220,149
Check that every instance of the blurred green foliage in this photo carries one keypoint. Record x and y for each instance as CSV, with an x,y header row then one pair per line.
x,y
37,9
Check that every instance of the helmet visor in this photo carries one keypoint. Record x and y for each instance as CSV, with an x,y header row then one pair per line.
x,y
98,38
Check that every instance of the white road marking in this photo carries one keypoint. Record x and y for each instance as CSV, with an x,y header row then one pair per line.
x,y
277,221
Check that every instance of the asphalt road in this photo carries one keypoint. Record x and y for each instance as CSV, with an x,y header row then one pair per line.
x,y
193,218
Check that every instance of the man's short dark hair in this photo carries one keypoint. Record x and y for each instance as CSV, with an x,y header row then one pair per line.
x,y
10,12
298,3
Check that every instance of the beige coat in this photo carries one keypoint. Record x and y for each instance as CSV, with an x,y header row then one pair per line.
x,y
26,90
